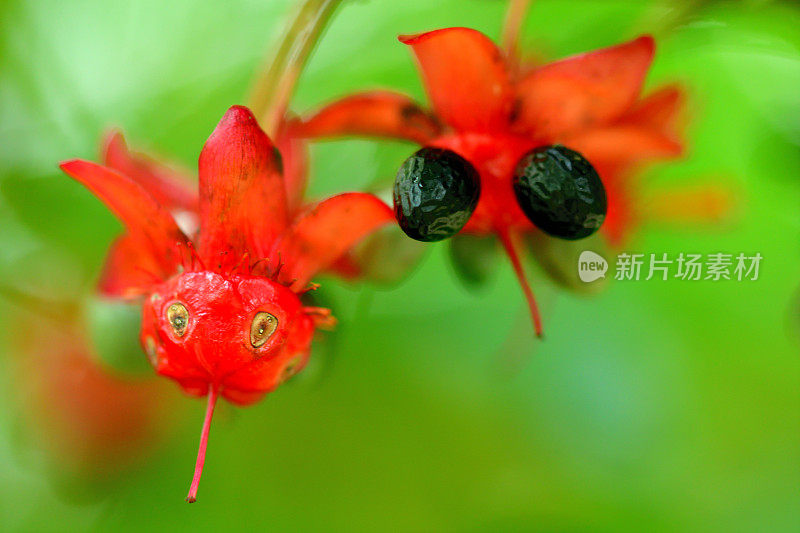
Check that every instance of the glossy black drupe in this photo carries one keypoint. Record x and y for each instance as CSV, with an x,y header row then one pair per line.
x,y
560,192
435,193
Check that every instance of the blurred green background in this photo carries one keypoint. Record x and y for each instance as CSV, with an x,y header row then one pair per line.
x,y
657,406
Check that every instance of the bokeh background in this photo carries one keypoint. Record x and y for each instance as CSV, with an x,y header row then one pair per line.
x,y
652,406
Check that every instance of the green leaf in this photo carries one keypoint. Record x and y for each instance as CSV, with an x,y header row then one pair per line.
x,y
388,256
559,259
473,258
114,331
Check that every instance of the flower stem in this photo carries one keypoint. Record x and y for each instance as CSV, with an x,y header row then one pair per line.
x,y
508,244
201,452
274,87
57,310
515,16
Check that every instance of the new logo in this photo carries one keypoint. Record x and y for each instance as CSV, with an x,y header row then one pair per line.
x,y
591,266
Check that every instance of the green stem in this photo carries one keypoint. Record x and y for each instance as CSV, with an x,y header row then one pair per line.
x,y
274,86
57,310
515,17
663,18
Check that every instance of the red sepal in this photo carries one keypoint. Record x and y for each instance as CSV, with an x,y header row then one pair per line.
x,y
582,91
376,113
622,145
151,229
294,160
171,188
465,76
127,272
660,110
326,231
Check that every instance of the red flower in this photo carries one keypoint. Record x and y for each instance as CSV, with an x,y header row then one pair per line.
x,y
91,423
222,313
490,116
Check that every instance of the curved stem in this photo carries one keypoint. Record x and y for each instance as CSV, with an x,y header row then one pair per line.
x,y
201,452
57,310
512,25
508,244
274,87
664,18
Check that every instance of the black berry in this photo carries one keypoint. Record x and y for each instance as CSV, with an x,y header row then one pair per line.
x,y
435,193
560,192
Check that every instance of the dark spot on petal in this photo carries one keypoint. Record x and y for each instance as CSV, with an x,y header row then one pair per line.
x,y
516,109
278,158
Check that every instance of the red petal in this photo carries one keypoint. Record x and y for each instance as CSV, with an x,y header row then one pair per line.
x,y
127,272
242,196
623,145
171,188
582,90
323,233
294,154
662,113
346,267
377,113
622,218
660,110
465,76
151,227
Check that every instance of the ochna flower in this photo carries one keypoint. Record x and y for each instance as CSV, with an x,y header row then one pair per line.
x,y
583,116
222,310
